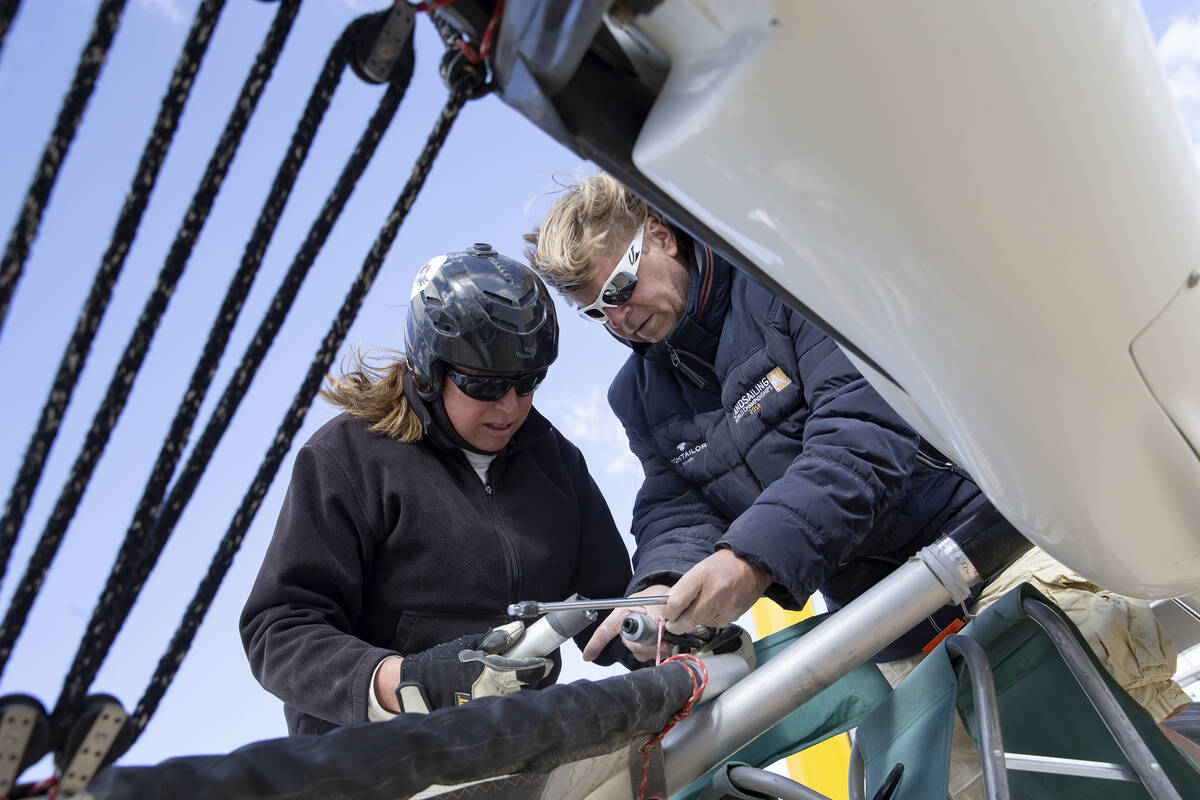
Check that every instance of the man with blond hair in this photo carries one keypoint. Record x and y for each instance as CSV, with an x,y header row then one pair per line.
x,y
772,467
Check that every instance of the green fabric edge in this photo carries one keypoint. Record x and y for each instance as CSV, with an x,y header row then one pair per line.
x,y
840,707
1038,695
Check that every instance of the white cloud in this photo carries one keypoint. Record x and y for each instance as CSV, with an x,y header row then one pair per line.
x,y
1179,50
590,424
166,8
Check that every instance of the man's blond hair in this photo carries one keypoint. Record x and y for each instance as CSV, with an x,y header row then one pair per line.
x,y
595,216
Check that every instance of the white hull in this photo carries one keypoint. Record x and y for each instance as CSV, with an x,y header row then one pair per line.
x,y
998,203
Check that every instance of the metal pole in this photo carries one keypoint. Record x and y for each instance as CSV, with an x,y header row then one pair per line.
x,y
768,784
1119,725
857,774
983,690
1079,768
848,638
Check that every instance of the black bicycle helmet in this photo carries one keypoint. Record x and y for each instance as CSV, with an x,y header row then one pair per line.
x,y
480,310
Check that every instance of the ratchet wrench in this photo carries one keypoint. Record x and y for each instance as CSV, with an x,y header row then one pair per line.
x,y
528,609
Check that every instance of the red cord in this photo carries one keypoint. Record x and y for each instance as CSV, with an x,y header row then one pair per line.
x,y
489,33
485,43
47,786
698,684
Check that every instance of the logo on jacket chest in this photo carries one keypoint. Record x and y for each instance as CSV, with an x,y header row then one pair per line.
x,y
750,403
687,451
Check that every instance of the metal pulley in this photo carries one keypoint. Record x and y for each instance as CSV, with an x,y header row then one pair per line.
x,y
458,70
381,41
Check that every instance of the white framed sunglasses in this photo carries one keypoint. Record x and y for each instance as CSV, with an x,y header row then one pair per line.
x,y
620,284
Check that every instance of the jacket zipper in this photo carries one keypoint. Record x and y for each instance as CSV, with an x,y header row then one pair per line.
x,y
946,465
509,550
688,372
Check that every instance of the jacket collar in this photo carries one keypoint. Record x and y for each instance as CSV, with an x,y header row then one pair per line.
x,y
699,329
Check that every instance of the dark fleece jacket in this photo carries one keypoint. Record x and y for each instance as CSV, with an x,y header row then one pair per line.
x,y
384,548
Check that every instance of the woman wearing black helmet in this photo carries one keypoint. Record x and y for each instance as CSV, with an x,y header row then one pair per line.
x,y
416,517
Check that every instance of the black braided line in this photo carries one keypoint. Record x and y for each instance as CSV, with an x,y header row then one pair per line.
x,y
94,307
8,10
451,38
91,61
140,549
223,558
193,470
135,350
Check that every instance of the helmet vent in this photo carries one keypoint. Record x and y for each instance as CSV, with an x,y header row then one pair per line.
x,y
508,301
443,322
505,325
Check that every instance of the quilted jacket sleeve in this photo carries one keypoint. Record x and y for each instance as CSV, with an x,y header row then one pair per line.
x,y
857,454
673,524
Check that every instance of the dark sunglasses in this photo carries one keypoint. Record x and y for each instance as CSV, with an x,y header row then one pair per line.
x,y
490,388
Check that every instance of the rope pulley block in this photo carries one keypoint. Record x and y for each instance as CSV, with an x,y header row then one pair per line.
x,y
380,40
24,737
458,70
97,736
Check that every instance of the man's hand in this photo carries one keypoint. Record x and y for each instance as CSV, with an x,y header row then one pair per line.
x,y
715,592
612,626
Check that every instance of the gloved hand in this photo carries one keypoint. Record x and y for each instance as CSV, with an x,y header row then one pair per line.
x,y
451,673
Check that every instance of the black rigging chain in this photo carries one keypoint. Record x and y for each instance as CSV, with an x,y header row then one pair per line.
x,y
135,350
145,539
8,10
91,61
467,86
94,307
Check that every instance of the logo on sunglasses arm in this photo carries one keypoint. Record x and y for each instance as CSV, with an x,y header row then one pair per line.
x,y
634,253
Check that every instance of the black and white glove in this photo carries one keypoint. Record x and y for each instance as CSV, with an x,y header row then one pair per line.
x,y
452,673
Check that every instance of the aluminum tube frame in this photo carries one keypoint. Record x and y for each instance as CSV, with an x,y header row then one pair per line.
x,y
1118,723
797,674
983,691
1074,767
724,671
856,775
759,781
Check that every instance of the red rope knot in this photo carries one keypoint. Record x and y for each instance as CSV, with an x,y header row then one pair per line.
x,y
698,683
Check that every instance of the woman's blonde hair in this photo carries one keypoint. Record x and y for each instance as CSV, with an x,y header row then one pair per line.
x,y
371,387
595,214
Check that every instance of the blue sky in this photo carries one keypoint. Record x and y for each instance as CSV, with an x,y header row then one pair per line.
x,y
491,183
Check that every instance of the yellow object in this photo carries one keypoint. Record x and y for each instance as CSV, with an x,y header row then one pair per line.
x,y
823,767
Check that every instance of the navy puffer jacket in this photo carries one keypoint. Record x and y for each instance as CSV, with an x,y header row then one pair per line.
x,y
757,434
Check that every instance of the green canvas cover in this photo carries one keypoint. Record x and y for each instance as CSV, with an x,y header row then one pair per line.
x,y
837,709
1041,703
1043,711
913,727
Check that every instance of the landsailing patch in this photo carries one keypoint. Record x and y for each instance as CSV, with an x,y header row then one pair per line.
x,y
750,403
